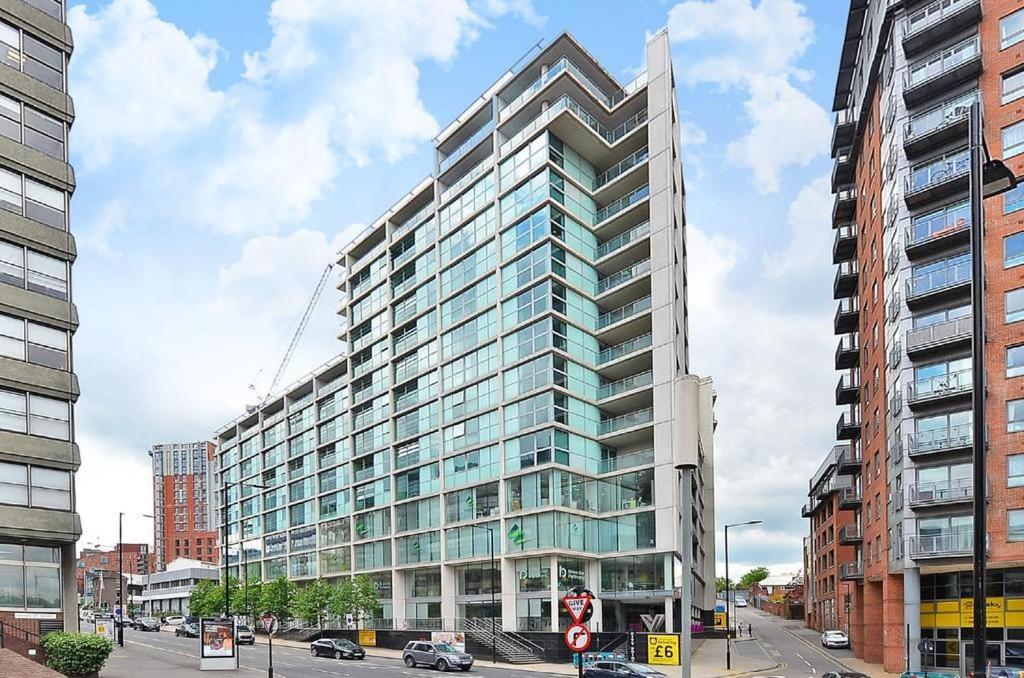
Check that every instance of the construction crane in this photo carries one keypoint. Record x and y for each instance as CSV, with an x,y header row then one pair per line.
x,y
290,351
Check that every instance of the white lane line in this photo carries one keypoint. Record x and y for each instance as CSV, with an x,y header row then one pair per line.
x,y
799,655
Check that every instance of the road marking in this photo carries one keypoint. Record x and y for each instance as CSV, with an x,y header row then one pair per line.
x,y
799,655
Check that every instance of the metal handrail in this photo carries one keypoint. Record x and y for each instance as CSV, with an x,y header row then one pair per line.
x,y
945,277
623,312
625,348
941,491
620,167
950,166
936,440
948,329
623,239
946,63
625,384
932,14
945,384
625,275
467,145
637,418
622,203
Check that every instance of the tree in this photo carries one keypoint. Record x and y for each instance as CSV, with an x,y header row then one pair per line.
x,y
207,599
312,603
720,584
276,596
246,601
343,601
364,598
755,576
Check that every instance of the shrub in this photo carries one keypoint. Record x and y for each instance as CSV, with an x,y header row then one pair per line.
x,y
76,654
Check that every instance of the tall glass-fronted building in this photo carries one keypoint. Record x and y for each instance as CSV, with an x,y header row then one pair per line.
x,y
514,366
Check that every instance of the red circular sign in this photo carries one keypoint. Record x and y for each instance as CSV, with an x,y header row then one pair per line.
x,y
577,638
269,623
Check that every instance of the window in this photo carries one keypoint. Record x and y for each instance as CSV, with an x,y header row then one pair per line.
x,y
1015,416
1013,140
29,577
1015,525
1013,86
1015,470
1015,361
49,417
1015,305
1011,29
32,57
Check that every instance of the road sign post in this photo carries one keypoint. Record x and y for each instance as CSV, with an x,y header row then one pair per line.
x,y
580,605
270,625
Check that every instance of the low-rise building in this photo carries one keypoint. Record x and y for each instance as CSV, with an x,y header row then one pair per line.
x,y
168,592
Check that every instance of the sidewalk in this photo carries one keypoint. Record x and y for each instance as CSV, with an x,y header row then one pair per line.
x,y
813,638
748,656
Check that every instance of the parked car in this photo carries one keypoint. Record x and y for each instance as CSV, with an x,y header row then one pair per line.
x,y
605,669
834,639
245,635
338,648
741,602
999,672
187,630
441,656
174,620
847,674
147,624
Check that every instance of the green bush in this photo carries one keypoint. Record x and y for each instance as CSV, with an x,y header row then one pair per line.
x,y
76,654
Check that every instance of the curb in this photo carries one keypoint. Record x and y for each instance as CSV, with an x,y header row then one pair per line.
x,y
754,672
837,660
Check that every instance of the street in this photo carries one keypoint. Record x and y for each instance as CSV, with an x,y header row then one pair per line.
x,y
163,655
796,658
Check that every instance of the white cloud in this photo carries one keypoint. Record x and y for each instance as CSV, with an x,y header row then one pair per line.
x,y
137,80
524,9
810,244
97,240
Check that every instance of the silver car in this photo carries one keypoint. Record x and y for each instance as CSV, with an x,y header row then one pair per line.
x,y
441,656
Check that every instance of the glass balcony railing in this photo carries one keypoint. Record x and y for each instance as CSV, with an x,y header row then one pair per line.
x,y
935,65
622,166
623,239
624,349
944,543
567,103
414,220
948,330
465,147
931,14
561,66
622,203
937,440
948,113
853,570
472,175
623,276
623,312
946,168
628,420
958,489
940,385
628,384
933,281
624,461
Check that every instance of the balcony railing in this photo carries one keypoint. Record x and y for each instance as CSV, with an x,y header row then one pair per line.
x,y
853,570
624,349
934,173
623,239
472,175
929,15
623,312
566,65
567,103
850,495
851,532
625,275
948,330
627,420
947,114
620,167
466,146
942,385
960,489
622,203
939,440
951,543
943,278
624,461
414,220
935,65
628,384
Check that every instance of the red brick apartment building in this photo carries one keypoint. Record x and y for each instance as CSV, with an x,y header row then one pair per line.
x,y
184,524
138,559
908,73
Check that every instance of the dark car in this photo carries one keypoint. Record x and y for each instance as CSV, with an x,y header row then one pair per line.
x,y
843,674
147,624
441,656
1000,672
605,669
338,648
187,630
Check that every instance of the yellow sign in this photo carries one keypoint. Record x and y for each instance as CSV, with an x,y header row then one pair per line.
x,y
995,612
367,638
662,649
719,620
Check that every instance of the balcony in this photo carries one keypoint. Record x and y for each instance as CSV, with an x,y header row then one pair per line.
x,y
848,425
621,462
633,272
845,205
807,510
848,461
943,493
845,283
843,129
621,167
848,351
850,498
844,247
626,421
617,315
937,21
626,201
944,335
620,386
945,231
853,571
847,315
937,73
943,388
950,544
851,535
943,284
956,438
940,178
937,127
842,168
633,235
463,149
848,388
624,349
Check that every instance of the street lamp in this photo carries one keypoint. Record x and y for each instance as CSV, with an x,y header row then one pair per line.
x,y
227,587
728,586
988,178
120,579
494,607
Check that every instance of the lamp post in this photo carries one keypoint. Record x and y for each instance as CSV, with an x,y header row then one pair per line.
x,y
494,607
227,587
728,586
988,178
120,579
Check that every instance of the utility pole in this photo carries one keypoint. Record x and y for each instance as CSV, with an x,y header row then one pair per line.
x,y
120,579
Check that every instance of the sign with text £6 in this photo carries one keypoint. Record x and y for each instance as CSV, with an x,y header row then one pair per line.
x,y
662,649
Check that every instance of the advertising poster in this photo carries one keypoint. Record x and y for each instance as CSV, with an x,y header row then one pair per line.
x,y
456,639
218,639
368,638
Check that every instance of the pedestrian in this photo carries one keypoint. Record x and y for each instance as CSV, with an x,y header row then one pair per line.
x,y
739,630
750,630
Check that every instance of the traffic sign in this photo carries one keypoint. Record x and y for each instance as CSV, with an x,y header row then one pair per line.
x,y
577,606
577,638
270,623
663,649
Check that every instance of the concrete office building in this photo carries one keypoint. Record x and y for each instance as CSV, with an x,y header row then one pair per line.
x,y
183,516
515,360
169,591
38,454
907,76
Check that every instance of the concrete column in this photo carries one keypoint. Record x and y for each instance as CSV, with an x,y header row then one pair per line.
x,y
398,598
69,587
556,595
592,581
912,612
448,588
509,586
669,625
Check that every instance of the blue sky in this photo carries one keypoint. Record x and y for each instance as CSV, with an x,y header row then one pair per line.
x,y
225,151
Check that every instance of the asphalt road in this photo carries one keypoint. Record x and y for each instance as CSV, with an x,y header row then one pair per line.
x,y
797,659
163,655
